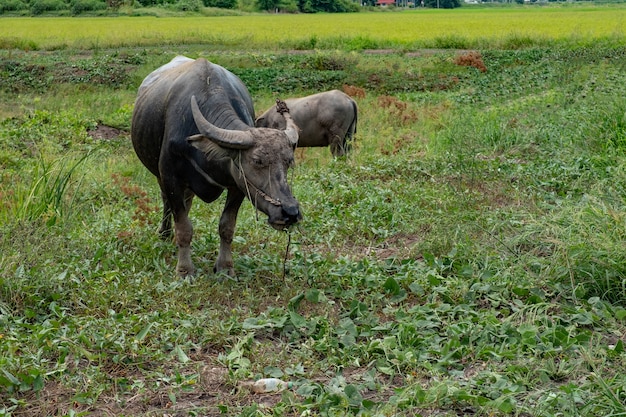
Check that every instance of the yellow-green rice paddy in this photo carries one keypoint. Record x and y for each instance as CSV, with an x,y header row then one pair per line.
x,y
409,28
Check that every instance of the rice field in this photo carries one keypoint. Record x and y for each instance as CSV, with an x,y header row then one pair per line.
x,y
463,27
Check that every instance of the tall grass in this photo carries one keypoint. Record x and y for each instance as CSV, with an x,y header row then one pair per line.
x,y
47,198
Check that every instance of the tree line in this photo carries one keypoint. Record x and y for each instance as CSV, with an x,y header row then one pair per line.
x,y
103,7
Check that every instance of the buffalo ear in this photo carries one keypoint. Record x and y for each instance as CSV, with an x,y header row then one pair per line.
x,y
205,145
200,142
260,122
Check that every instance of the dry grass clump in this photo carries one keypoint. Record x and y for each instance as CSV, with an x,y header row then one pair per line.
x,y
398,109
144,206
354,91
471,59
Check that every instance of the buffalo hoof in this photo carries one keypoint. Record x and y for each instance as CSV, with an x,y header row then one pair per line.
x,y
225,273
185,271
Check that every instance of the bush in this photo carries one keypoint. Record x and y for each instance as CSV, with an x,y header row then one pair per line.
x,y
331,6
12,5
81,6
38,7
223,4
187,5
444,4
329,62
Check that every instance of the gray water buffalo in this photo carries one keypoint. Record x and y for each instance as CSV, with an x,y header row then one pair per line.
x,y
324,119
193,128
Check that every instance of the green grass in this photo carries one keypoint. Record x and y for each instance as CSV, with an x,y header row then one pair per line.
x,y
466,259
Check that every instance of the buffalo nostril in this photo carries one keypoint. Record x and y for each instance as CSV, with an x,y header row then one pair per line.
x,y
292,213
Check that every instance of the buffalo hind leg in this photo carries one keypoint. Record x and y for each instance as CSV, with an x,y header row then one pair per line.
x,y
184,234
224,262
337,144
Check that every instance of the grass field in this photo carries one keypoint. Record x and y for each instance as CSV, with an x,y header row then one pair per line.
x,y
464,27
467,259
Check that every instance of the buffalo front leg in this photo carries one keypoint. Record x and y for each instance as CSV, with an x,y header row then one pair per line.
x,y
224,262
184,234
165,231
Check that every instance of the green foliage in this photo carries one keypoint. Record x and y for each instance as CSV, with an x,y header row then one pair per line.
x,y
329,6
38,7
267,5
81,6
442,4
225,4
12,5
466,258
281,81
46,198
17,76
308,6
188,5
40,74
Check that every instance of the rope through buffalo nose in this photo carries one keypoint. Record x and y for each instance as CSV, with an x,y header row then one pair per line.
x,y
288,231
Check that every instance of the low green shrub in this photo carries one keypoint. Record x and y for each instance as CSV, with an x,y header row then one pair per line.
x,y
38,7
81,6
12,5
225,4
187,5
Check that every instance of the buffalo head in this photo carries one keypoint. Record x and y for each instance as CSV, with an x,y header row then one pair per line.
x,y
259,164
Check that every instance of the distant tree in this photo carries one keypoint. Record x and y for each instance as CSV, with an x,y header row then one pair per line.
x,y
81,6
115,4
12,5
443,4
269,5
188,5
289,6
38,7
224,4
305,6
329,6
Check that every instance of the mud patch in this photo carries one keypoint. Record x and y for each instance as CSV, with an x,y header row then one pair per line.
x,y
104,132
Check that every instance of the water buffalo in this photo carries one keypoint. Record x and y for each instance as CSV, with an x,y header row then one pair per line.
x,y
324,119
193,128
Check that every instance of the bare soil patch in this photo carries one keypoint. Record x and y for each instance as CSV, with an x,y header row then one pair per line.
x,y
104,132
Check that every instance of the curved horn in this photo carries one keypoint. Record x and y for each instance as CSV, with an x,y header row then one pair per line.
x,y
291,130
234,139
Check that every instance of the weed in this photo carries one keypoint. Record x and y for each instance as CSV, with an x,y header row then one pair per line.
x,y
143,205
397,110
467,259
46,199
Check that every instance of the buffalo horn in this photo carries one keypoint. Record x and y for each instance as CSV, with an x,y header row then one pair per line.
x,y
234,139
291,130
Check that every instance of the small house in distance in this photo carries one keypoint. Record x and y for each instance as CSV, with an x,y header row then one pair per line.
x,y
385,2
